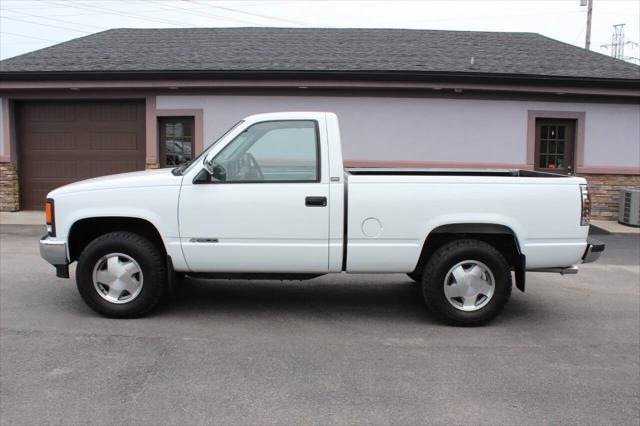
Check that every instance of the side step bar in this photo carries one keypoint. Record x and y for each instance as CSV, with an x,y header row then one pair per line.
x,y
568,270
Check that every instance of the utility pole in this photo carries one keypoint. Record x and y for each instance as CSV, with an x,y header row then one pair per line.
x,y
587,40
617,42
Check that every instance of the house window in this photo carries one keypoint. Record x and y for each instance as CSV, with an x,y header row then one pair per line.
x,y
555,142
176,140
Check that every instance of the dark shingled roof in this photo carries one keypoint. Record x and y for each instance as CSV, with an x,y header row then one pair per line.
x,y
361,51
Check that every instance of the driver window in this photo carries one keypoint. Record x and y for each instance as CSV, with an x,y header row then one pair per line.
x,y
272,151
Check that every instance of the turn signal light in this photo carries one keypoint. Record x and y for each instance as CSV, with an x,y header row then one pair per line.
x,y
50,217
585,197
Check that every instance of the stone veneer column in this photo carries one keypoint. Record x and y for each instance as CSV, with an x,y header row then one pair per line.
x,y
9,195
605,193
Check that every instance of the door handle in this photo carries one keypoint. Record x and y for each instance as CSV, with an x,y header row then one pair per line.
x,y
315,201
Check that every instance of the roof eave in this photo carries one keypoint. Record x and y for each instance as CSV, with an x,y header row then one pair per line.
x,y
470,76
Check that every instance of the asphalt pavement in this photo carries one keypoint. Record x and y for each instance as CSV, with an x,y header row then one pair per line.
x,y
340,349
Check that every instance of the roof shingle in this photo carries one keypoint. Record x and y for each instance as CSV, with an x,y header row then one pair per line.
x,y
321,50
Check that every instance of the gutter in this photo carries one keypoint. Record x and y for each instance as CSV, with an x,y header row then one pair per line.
x,y
359,75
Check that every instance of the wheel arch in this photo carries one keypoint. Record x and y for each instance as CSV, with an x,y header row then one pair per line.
x,y
85,230
500,236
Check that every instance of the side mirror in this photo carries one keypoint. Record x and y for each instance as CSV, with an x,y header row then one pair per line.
x,y
215,172
208,165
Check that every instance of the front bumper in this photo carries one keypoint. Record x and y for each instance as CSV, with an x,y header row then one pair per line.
x,y
54,252
594,249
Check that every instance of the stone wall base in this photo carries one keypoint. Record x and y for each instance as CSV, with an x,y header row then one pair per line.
x,y
605,193
152,166
9,194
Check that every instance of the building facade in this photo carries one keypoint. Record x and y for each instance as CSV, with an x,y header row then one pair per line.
x,y
62,125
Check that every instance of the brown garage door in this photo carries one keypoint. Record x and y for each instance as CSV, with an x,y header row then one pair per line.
x,y
63,142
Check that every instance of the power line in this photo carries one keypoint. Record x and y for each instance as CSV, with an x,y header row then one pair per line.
x,y
53,19
126,15
207,15
46,4
45,25
289,21
28,36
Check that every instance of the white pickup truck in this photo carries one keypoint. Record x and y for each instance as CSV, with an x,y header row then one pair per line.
x,y
272,200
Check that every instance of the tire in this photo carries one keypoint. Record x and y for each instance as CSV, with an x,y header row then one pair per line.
x,y
415,276
129,286
476,265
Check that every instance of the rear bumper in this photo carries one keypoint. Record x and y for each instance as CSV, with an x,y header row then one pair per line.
x,y
54,252
594,249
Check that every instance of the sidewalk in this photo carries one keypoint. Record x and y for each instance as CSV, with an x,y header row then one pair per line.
x,y
615,227
22,218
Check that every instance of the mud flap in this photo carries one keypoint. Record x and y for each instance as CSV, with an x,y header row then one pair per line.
x,y
520,271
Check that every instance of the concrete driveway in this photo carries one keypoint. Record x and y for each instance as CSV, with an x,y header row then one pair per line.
x,y
334,350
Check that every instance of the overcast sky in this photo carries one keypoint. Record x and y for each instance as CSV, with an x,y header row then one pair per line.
x,y
28,25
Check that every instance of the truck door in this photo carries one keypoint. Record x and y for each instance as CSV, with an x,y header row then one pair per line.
x,y
265,206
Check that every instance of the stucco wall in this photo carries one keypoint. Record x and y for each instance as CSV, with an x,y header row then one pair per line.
x,y
430,129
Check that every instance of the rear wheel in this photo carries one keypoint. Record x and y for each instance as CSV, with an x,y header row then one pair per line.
x,y
121,275
466,282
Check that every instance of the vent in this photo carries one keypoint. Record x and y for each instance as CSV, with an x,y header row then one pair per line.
x,y
629,210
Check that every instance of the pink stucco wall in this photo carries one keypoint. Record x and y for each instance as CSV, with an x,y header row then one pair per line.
x,y
435,130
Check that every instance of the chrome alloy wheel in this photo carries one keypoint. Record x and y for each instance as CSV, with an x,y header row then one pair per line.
x,y
469,285
117,278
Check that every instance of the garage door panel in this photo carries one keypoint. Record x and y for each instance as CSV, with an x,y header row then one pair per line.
x,y
101,168
50,169
36,196
102,112
44,113
63,142
48,141
114,141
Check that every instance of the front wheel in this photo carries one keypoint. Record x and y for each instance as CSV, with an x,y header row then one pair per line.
x,y
466,282
121,275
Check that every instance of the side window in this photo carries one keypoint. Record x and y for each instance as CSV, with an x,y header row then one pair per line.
x,y
272,151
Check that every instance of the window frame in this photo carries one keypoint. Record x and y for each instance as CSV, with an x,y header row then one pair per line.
x,y
579,137
570,158
318,159
162,138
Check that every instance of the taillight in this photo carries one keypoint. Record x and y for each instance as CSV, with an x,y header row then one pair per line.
x,y
585,197
50,217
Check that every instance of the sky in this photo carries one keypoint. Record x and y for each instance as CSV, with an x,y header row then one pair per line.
x,y
28,25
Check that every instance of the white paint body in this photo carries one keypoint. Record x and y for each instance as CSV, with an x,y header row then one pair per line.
x,y
266,227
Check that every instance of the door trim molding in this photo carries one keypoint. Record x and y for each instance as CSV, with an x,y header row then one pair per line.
x,y
579,116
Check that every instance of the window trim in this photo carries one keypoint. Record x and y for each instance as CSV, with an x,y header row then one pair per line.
x,y
570,169
162,151
579,116
153,138
198,179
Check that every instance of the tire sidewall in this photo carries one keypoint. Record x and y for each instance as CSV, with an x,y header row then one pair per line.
x,y
434,278
134,248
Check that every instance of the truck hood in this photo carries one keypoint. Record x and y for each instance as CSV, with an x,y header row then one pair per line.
x,y
146,178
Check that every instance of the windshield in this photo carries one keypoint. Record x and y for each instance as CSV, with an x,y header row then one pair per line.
x,y
181,169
